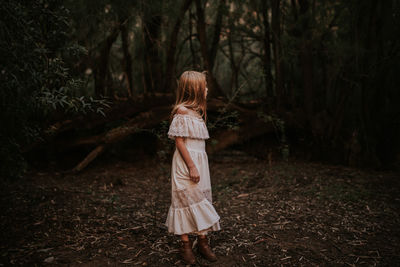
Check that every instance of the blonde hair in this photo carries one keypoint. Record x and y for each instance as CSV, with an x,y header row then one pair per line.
x,y
190,93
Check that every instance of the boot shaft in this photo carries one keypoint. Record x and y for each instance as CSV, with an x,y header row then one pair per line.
x,y
187,252
205,249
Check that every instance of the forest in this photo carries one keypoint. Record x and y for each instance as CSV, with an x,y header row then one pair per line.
x,y
303,111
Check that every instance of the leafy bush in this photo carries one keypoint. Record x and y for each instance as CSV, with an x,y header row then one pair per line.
x,y
34,77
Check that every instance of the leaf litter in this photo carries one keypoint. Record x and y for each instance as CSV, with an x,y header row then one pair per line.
x,y
292,214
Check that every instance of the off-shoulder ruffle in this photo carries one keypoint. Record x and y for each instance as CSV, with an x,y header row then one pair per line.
x,y
185,125
196,217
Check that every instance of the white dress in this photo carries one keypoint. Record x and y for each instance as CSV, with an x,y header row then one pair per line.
x,y
191,210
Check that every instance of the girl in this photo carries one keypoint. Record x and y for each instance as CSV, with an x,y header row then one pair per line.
x,y
191,210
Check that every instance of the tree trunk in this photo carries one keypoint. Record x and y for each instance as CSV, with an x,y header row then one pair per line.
x,y
217,33
151,33
306,61
127,62
170,66
307,71
235,69
276,36
194,56
201,30
267,51
101,68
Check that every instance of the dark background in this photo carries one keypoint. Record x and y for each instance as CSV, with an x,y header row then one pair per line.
x,y
88,86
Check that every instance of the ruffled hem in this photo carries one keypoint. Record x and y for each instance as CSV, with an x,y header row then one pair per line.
x,y
184,125
215,227
195,218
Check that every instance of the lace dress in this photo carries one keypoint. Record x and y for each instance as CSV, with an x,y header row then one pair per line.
x,y
191,210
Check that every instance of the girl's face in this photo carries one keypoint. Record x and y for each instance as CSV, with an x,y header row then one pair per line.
x,y
206,92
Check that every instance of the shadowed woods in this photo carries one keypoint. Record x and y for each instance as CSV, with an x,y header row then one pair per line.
x,y
302,111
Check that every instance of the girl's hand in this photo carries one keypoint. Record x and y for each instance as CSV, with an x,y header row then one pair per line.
x,y
194,174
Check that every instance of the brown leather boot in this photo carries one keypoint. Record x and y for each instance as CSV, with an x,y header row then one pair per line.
x,y
187,253
205,249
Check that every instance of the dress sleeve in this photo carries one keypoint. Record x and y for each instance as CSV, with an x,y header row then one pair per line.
x,y
187,126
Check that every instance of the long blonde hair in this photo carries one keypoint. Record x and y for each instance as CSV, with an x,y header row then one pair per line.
x,y
190,93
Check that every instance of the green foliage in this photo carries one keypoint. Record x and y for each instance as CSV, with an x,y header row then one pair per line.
x,y
36,83
50,101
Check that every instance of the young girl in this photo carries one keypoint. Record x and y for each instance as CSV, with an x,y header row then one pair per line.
x,y
191,210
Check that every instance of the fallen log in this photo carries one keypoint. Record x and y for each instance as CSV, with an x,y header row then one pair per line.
x,y
250,126
215,105
119,110
146,119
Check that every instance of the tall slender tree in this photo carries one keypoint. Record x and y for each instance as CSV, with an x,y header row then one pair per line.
x,y
151,26
171,63
208,62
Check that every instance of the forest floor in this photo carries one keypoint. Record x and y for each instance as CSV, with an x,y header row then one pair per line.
x,y
278,214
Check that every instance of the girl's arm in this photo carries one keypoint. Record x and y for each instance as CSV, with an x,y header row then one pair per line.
x,y
193,172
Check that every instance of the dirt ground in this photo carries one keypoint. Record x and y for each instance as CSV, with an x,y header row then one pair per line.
x,y
278,214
